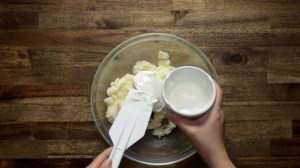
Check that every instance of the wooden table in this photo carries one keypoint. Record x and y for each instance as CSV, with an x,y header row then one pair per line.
x,y
50,50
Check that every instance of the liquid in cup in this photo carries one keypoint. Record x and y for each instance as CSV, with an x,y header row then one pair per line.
x,y
189,91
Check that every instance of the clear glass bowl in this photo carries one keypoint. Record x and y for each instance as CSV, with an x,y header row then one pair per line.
x,y
150,149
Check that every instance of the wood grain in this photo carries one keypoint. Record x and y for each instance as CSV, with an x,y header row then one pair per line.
x,y
285,147
45,110
246,162
60,163
69,39
268,162
248,129
296,128
283,66
23,91
50,51
275,110
116,19
234,4
51,148
284,73
50,131
19,20
23,149
248,147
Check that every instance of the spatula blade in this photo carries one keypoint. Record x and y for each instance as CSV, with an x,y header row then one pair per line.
x,y
130,124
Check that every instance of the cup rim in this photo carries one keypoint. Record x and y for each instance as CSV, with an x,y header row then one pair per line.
x,y
206,107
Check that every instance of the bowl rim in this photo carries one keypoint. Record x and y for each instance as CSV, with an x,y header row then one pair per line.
x,y
115,50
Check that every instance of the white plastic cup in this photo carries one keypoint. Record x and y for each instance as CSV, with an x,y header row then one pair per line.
x,y
189,91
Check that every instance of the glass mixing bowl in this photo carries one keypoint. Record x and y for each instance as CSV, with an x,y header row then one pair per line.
x,y
150,149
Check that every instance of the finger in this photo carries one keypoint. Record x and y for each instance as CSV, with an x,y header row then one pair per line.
x,y
107,164
178,120
98,161
218,102
219,95
172,117
175,118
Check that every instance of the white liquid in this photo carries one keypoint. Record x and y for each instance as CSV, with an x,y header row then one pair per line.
x,y
187,97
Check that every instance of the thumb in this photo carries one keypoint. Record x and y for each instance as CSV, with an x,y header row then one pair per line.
x,y
107,164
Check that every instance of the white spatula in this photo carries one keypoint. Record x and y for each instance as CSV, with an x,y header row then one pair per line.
x,y
131,123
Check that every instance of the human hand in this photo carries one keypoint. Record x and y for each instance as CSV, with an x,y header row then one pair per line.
x,y
102,160
206,133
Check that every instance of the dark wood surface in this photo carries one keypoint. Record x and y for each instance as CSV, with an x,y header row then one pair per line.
x,y
50,50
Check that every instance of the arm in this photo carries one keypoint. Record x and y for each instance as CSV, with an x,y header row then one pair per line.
x,y
206,133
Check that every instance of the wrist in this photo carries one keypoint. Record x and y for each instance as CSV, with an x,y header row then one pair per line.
x,y
214,154
219,160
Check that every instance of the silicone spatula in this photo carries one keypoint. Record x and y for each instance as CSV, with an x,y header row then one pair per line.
x,y
131,123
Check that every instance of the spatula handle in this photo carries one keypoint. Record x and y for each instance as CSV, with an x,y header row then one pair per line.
x,y
120,144
116,156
